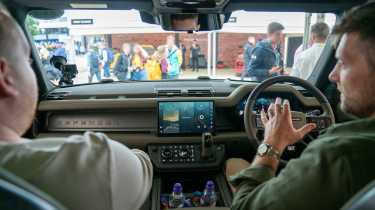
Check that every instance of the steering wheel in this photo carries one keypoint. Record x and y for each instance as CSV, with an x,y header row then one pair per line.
x,y
253,122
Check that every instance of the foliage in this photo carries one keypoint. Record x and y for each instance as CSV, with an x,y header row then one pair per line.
x,y
32,25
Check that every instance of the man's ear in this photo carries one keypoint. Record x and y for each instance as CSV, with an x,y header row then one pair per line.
x,y
7,83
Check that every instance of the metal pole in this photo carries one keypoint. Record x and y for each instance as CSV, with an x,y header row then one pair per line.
x,y
214,47
209,53
306,33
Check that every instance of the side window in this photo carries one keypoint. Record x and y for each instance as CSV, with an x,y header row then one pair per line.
x,y
257,45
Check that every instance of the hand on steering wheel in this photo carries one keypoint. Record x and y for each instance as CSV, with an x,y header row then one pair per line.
x,y
279,129
283,126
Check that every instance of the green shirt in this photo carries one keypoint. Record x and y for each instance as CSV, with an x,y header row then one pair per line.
x,y
329,172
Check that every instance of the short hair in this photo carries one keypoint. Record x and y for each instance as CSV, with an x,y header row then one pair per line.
x,y
10,33
274,27
320,29
360,20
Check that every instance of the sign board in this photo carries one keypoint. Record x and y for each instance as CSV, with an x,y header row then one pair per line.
x,y
82,21
232,20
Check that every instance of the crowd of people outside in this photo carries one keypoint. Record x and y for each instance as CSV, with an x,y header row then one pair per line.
x,y
259,60
131,62
263,59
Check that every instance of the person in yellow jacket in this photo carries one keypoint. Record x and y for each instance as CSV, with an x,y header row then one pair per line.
x,y
116,57
153,65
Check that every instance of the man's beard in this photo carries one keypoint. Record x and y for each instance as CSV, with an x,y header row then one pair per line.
x,y
361,108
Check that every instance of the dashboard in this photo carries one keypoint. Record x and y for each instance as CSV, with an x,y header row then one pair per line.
x,y
151,112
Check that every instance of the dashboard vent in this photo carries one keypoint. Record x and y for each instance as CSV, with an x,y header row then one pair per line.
x,y
58,95
168,93
200,92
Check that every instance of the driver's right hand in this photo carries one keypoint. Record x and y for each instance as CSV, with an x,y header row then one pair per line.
x,y
279,130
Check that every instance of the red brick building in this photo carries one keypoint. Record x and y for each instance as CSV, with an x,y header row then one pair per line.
x,y
228,44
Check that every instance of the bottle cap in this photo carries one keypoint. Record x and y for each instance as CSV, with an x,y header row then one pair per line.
x,y
177,188
210,185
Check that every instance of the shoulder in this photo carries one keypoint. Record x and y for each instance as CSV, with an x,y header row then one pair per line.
x,y
306,53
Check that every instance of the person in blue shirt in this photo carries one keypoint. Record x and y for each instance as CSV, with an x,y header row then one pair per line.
x,y
123,63
266,60
92,64
174,58
247,50
60,51
106,57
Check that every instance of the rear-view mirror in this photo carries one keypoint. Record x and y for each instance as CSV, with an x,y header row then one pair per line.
x,y
50,14
192,22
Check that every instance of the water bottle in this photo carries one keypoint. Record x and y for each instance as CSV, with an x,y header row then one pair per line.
x,y
209,195
177,198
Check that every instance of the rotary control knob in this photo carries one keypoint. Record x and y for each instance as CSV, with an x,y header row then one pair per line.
x,y
167,153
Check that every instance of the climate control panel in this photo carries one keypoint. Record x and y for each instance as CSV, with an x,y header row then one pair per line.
x,y
177,156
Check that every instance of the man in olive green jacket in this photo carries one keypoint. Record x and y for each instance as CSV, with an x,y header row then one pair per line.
x,y
340,162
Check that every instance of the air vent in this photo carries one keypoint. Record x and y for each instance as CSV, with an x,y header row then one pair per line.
x,y
58,95
200,92
169,93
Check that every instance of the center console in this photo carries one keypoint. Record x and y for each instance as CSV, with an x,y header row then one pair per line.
x,y
189,166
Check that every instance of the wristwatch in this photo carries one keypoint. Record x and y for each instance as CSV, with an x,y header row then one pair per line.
x,y
265,149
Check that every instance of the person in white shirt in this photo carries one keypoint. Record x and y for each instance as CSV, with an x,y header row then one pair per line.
x,y
83,172
306,60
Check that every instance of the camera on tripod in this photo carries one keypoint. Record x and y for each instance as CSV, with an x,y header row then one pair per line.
x,y
68,71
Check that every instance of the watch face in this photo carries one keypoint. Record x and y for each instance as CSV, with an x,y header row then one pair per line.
x,y
262,149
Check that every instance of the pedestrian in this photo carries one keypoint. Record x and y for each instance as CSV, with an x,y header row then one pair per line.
x,y
194,54
163,62
54,74
247,50
122,63
116,55
266,60
306,61
183,52
60,50
153,66
92,63
139,58
106,58
174,58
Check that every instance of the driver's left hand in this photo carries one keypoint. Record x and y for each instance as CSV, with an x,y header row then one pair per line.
x,y
279,129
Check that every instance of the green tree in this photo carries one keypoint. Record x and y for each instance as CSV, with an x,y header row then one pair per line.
x,y
32,25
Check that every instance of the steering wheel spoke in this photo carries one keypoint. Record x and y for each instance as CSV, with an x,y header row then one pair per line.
x,y
322,122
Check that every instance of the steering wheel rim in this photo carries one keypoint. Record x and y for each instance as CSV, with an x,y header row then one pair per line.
x,y
250,116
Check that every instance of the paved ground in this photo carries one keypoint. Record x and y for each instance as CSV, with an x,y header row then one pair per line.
x,y
83,74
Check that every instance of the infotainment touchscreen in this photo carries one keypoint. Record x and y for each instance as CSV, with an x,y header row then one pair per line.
x,y
186,117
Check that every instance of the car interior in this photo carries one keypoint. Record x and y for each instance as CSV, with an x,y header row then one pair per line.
x,y
189,127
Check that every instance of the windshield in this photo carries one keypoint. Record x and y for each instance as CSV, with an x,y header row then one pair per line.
x,y
88,46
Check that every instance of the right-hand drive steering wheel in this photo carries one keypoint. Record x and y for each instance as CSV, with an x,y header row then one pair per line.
x,y
253,122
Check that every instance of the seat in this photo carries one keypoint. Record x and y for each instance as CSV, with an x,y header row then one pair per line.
x,y
363,200
17,194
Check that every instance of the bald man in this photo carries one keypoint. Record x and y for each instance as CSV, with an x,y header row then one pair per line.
x,y
82,172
